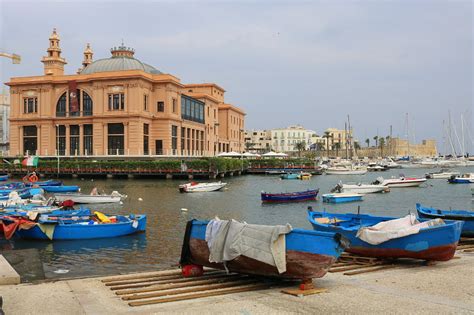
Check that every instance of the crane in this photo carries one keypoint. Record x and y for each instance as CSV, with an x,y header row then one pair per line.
x,y
16,59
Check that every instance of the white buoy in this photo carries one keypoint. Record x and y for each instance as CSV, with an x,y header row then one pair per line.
x,y
121,202
140,199
184,209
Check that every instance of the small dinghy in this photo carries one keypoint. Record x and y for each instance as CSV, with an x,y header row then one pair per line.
x,y
114,197
290,176
387,237
49,182
201,187
276,251
463,179
460,215
341,197
402,181
55,189
289,197
442,174
360,188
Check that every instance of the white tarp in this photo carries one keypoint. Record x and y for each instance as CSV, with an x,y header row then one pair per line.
x,y
228,240
387,230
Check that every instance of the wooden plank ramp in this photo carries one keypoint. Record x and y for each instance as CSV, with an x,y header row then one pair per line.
x,y
170,286
466,245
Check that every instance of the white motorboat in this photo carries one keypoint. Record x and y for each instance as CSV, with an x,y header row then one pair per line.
x,y
201,187
114,197
400,182
360,188
442,174
389,163
376,168
346,170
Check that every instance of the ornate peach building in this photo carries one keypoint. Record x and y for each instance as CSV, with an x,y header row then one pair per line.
x,y
118,106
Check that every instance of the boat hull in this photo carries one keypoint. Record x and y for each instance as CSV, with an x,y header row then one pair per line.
x,y
308,255
78,198
461,215
60,188
367,189
461,180
289,176
436,243
201,188
331,198
3,178
289,197
80,232
348,172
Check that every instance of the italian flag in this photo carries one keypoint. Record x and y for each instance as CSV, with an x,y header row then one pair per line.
x,y
30,161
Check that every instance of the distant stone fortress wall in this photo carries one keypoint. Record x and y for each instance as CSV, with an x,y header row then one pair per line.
x,y
395,147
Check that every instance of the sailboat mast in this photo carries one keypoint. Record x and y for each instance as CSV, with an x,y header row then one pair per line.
x,y
463,148
408,139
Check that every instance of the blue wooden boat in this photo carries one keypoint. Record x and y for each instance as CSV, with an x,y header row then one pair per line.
x,y
60,188
290,176
70,229
460,215
49,182
3,178
434,243
341,197
23,193
290,197
7,188
309,254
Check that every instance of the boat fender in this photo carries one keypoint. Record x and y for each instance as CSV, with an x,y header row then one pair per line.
x,y
135,224
192,270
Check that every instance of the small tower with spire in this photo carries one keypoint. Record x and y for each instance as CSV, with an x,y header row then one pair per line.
x,y
88,53
53,62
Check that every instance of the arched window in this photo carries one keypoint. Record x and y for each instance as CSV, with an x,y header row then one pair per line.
x,y
84,101
86,104
61,106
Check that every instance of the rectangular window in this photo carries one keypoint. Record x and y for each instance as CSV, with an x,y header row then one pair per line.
x,y
183,134
145,102
74,140
117,101
174,138
88,139
160,106
116,139
146,139
30,140
192,109
174,105
61,140
30,105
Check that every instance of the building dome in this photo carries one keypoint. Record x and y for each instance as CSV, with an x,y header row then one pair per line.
x,y
122,59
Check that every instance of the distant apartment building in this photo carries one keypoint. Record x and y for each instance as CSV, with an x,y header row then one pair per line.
x,y
339,138
4,123
258,140
280,139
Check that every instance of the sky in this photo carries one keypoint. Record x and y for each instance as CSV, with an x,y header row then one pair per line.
x,y
311,63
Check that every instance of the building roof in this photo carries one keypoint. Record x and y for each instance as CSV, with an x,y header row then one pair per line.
x,y
119,62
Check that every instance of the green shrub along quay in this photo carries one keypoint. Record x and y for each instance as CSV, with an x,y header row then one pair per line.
x,y
102,166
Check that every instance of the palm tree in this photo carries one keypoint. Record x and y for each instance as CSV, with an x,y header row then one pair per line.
x,y
300,146
356,146
249,145
319,146
381,143
368,142
327,135
337,146
376,138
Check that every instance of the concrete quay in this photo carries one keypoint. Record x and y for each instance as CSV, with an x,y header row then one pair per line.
x,y
443,288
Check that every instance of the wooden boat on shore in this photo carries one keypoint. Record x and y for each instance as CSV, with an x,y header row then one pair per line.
x,y
114,197
433,243
289,197
201,187
3,178
341,197
57,228
309,254
400,182
460,215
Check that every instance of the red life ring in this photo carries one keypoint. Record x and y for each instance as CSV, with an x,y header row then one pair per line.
x,y
33,178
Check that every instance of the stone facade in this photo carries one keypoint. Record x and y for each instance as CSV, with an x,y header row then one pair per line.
x,y
118,106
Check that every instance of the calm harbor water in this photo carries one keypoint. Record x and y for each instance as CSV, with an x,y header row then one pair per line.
x,y
160,246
